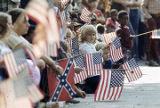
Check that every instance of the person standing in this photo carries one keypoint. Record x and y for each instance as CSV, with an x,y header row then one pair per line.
x,y
152,14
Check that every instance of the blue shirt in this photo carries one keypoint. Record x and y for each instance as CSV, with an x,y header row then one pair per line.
x,y
107,64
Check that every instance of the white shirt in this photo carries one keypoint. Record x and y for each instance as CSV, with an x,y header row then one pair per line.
x,y
87,47
4,48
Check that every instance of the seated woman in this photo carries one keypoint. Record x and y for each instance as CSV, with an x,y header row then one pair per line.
x,y
88,43
5,28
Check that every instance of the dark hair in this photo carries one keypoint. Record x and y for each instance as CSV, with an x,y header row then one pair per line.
x,y
113,11
90,1
73,15
122,13
100,29
15,13
31,31
3,22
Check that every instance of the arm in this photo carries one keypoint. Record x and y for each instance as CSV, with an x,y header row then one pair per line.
x,y
52,65
127,4
145,10
80,92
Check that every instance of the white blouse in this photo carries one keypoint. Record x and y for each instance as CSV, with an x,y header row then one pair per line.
x,y
86,48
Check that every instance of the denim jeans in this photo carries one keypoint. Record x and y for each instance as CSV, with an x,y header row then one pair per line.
x,y
135,19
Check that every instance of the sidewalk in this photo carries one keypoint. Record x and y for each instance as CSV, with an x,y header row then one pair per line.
x,y
143,93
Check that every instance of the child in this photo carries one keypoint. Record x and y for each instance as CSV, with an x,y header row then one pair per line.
x,y
100,30
111,22
124,33
107,62
88,43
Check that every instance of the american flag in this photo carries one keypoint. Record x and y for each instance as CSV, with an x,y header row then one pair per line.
x,y
85,15
133,71
15,62
156,34
39,11
35,93
73,43
75,52
108,38
63,87
53,36
116,50
110,85
39,41
93,63
27,86
52,50
14,93
80,62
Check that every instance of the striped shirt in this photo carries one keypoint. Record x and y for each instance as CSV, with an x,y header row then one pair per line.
x,y
151,7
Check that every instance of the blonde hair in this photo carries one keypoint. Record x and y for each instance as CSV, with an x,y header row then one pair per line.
x,y
106,47
87,29
3,23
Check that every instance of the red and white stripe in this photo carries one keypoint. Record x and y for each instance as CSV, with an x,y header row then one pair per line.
x,y
84,15
108,38
80,77
132,74
11,66
104,91
116,54
91,68
52,30
38,10
35,94
39,41
52,50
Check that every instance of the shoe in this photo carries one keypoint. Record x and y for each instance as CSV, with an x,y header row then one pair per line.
x,y
153,63
158,61
72,101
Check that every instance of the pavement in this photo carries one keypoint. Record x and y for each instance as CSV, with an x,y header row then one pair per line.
x,y
143,93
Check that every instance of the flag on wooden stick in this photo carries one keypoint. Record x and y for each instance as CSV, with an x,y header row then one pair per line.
x,y
110,85
47,19
15,62
93,63
116,50
133,71
85,15
108,38
79,61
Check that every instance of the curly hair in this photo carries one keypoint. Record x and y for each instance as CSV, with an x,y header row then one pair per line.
x,y
87,29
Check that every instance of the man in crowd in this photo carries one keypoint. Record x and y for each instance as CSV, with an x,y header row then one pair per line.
x,y
152,14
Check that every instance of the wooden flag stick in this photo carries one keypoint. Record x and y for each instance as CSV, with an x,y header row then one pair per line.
x,y
142,34
68,58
